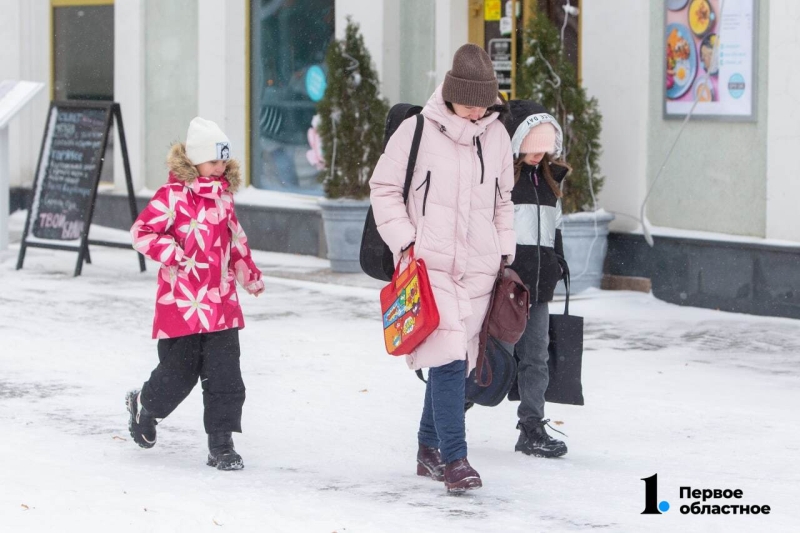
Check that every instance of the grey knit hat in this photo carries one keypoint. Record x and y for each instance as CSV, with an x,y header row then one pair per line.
x,y
471,81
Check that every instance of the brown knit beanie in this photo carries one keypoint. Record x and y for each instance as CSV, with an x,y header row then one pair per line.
x,y
471,81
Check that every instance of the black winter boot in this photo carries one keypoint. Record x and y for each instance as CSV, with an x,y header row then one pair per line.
x,y
534,440
141,425
221,453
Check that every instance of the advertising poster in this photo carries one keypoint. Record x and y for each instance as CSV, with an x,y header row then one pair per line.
x,y
723,83
492,10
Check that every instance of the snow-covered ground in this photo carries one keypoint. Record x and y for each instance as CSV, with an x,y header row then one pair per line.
x,y
705,399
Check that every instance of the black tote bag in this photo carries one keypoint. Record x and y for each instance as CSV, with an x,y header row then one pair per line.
x,y
566,356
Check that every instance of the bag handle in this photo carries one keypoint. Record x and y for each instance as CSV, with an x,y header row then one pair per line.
x,y
412,156
566,284
400,260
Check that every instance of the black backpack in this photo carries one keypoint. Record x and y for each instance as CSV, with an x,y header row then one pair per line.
x,y
375,257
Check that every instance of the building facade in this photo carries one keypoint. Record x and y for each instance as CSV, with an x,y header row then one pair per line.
x,y
724,204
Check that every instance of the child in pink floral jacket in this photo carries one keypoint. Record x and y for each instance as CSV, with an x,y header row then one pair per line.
x,y
190,227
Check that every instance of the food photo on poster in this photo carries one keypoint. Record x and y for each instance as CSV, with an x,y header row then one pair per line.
x,y
709,58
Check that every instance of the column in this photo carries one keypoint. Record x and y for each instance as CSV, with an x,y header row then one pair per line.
x,y
129,88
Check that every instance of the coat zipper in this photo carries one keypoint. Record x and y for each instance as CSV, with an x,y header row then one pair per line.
x,y
539,236
427,184
477,141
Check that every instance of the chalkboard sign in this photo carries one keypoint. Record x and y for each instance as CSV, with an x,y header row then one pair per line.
x,y
75,145
67,176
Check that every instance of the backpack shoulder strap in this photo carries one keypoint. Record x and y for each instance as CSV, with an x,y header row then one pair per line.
x,y
412,156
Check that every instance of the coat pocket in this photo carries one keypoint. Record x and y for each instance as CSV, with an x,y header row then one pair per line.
x,y
427,184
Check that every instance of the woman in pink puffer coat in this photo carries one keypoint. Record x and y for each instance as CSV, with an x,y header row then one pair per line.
x,y
460,221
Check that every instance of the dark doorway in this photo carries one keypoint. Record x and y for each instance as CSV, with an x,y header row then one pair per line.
x,y
83,58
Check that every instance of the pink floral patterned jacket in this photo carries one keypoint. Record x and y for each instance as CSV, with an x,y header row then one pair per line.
x,y
190,227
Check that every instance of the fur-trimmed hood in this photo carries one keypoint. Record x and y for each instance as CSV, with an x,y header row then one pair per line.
x,y
183,170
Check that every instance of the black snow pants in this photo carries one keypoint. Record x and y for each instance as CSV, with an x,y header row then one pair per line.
x,y
212,357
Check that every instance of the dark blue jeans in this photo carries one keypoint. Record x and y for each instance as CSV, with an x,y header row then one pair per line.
x,y
442,424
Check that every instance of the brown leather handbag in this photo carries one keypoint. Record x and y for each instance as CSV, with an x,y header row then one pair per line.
x,y
509,309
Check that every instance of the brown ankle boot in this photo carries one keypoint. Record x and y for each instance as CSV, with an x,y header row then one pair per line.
x,y
429,463
459,476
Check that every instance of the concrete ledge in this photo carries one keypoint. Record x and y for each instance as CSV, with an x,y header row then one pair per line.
x,y
291,231
625,283
740,277
272,229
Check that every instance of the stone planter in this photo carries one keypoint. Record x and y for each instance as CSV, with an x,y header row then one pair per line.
x,y
585,248
343,221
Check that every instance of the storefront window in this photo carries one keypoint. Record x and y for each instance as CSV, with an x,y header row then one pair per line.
x,y
83,52
83,57
289,42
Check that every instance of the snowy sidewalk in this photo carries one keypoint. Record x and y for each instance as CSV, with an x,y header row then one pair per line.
x,y
704,399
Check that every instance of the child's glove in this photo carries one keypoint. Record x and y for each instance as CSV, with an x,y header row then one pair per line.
x,y
255,288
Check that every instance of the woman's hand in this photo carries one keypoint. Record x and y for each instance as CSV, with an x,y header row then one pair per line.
x,y
406,252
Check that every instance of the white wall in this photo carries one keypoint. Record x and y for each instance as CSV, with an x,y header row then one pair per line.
x,y
715,180
380,22
452,31
221,94
24,54
156,46
375,18
9,38
10,41
623,99
393,50
171,80
783,122
129,80
418,66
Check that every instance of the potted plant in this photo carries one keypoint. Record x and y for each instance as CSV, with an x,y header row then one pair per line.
x,y
547,76
351,122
